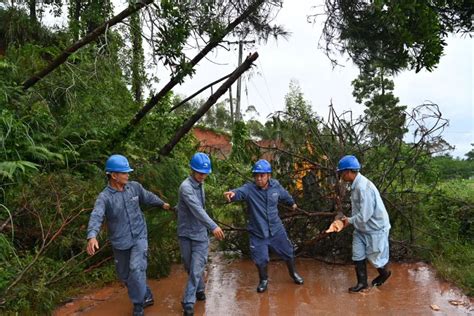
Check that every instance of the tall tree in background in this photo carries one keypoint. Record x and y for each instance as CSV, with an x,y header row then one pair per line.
x,y
32,9
374,88
137,67
295,104
410,33
96,12
470,154
75,9
85,16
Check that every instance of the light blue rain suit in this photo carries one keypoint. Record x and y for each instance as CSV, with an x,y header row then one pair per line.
x,y
127,233
193,226
371,223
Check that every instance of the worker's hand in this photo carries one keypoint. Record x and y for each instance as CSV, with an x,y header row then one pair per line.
x,y
92,246
218,233
166,206
229,195
339,216
294,207
345,220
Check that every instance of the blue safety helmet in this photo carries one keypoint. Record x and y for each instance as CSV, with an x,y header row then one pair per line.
x,y
117,163
348,162
262,166
201,163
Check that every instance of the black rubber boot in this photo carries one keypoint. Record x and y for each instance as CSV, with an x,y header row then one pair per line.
x,y
263,275
148,298
201,296
138,310
188,310
384,274
292,271
361,272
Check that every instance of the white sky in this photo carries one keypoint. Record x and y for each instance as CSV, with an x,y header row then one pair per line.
x,y
450,85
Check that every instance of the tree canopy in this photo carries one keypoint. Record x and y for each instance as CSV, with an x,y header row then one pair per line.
x,y
394,34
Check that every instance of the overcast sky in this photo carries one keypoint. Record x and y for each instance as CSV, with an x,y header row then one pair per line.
x,y
450,85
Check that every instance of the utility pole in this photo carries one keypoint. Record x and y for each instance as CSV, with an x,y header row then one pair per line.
x,y
238,114
231,107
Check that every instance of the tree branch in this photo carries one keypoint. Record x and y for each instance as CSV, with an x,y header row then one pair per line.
x,y
83,42
123,134
199,91
166,149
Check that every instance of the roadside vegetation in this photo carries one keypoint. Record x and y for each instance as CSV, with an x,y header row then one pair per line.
x,y
58,128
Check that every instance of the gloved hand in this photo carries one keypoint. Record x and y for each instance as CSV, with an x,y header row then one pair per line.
x,y
335,227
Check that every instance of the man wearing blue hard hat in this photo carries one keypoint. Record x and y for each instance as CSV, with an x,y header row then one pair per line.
x,y
265,226
119,203
371,224
193,226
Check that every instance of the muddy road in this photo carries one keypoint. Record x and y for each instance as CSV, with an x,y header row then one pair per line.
x,y
413,289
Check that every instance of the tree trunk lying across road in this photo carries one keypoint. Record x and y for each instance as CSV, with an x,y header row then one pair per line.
x,y
125,132
166,149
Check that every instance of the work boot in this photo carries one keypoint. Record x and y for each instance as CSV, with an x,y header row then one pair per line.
x,y
263,275
201,296
148,298
292,271
384,274
138,310
188,310
361,272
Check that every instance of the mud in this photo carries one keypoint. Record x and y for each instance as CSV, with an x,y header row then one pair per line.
x,y
413,289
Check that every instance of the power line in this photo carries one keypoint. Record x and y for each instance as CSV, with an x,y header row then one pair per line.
x,y
238,114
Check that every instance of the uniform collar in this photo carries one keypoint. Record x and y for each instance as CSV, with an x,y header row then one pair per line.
x,y
271,182
356,180
194,183
113,191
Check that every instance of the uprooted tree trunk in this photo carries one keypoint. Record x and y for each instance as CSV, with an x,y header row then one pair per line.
x,y
305,162
90,37
166,149
125,132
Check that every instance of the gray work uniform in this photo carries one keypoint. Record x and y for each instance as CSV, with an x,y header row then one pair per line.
x,y
127,232
193,226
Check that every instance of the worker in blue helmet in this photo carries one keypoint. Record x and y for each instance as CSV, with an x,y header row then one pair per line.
x,y
193,226
119,203
265,226
371,224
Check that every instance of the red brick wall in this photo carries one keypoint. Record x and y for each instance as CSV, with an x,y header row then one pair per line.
x,y
212,142
219,144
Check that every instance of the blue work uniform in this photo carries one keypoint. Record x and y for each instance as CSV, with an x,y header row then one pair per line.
x,y
264,224
371,223
193,226
127,232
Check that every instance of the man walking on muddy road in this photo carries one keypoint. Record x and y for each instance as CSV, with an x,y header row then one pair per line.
x,y
193,226
120,203
265,226
371,224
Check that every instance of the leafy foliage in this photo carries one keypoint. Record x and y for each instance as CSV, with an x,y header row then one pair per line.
x,y
394,34
386,118
54,138
450,168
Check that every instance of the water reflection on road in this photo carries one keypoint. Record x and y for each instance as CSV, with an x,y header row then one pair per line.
x,y
412,290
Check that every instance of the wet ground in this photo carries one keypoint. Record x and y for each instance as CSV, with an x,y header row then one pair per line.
x,y
413,289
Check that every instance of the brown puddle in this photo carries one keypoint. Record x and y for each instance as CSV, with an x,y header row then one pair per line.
x,y
412,289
